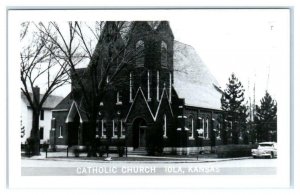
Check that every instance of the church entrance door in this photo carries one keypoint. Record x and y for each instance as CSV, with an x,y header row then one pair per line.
x,y
139,132
73,131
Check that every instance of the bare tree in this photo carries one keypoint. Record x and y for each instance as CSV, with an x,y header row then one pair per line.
x,y
39,70
112,53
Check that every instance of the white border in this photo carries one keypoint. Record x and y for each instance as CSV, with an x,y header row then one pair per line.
x,y
257,4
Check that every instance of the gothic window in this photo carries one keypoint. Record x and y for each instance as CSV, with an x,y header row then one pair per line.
x,y
60,132
140,57
97,129
218,132
114,128
164,55
148,86
165,126
157,85
122,129
206,132
103,128
201,128
191,127
130,87
119,98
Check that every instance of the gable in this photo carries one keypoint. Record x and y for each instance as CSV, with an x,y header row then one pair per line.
x,y
65,103
164,107
140,108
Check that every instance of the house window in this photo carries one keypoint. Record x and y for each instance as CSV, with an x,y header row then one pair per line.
x,y
60,132
139,48
41,132
42,115
157,85
148,86
119,98
130,87
164,55
122,129
165,126
191,127
103,129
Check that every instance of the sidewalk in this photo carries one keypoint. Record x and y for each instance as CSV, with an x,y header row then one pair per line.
x,y
133,158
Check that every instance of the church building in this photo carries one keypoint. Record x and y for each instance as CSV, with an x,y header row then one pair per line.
x,y
167,89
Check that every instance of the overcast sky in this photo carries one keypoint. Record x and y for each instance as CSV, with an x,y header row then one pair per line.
x,y
253,44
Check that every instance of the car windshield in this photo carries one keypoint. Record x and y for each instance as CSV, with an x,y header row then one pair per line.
x,y
265,145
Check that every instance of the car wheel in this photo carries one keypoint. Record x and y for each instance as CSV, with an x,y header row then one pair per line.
x,y
272,155
254,157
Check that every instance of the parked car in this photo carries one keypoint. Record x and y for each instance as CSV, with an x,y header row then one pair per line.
x,y
265,149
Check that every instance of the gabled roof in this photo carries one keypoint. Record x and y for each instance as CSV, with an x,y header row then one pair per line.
x,y
192,79
50,103
65,103
76,110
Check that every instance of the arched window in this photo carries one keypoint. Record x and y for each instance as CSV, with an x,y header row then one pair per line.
x,y
140,57
206,132
191,127
103,128
218,133
165,126
164,54
130,87
122,129
115,129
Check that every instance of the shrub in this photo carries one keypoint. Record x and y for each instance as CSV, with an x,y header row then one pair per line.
x,y
120,145
29,145
45,146
78,149
228,151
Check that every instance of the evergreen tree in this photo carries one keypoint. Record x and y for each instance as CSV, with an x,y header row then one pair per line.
x,y
232,103
266,119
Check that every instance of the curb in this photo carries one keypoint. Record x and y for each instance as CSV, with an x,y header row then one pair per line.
x,y
140,161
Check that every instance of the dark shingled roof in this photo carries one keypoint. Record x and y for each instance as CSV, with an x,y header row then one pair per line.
x,y
65,103
50,103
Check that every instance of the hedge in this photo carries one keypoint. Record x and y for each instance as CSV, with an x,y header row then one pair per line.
x,y
228,151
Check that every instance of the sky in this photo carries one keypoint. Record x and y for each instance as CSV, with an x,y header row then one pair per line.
x,y
252,44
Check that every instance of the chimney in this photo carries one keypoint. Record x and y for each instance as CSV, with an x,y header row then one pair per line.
x,y
36,94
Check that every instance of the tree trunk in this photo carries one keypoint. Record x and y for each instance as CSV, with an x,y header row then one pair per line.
x,y
92,136
35,133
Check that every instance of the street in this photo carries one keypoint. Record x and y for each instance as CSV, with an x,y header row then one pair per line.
x,y
60,167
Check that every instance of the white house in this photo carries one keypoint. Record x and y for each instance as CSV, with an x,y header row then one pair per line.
x,y
45,117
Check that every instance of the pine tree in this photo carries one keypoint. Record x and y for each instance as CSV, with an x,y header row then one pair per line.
x,y
232,103
266,119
